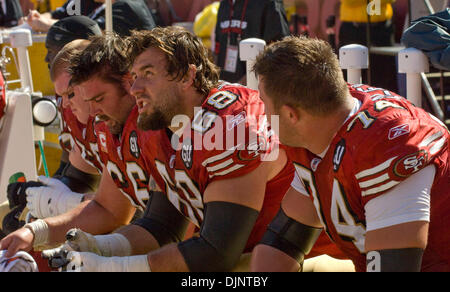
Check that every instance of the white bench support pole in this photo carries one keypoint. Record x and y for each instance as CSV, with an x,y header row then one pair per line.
x,y
413,62
249,49
354,58
16,140
21,39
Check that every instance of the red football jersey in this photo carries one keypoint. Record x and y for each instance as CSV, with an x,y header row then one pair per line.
x,y
81,135
222,141
123,158
66,117
383,143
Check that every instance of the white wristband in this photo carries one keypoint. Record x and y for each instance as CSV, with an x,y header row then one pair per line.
x,y
113,245
39,228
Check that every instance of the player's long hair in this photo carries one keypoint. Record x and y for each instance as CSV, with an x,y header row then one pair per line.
x,y
105,57
181,48
302,72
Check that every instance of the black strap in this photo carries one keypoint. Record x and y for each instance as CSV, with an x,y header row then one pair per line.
x,y
395,260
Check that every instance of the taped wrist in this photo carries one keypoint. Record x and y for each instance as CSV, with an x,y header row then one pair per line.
x,y
113,245
394,260
223,235
79,181
291,237
163,220
124,264
39,228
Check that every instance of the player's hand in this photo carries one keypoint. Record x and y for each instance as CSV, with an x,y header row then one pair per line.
x,y
90,262
37,22
84,262
21,239
76,240
52,199
19,262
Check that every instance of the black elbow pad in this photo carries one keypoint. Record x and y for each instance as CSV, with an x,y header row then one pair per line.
x,y
291,237
79,181
162,220
395,260
223,236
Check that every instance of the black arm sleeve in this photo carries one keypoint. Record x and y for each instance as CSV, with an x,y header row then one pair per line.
x,y
163,220
77,180
291,237
223,236
395,260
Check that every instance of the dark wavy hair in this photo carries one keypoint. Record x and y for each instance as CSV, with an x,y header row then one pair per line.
x,y
105,57
181,48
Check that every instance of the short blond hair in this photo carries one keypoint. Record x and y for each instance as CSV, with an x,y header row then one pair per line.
x,y
62,60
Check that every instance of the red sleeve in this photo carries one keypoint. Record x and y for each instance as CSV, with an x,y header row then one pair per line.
x,y
400,148
240,138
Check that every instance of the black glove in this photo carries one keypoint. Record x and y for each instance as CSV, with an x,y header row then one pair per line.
x,y
11,222
16,193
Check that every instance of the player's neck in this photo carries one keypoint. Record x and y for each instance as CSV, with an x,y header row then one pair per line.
x,y
192,101
328,126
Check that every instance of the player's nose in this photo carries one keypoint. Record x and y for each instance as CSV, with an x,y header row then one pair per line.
x,y
94,109
137,87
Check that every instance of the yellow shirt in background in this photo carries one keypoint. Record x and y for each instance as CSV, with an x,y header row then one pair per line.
x,y
356,10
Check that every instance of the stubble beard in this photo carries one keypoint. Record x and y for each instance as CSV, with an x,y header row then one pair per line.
x,y
162,115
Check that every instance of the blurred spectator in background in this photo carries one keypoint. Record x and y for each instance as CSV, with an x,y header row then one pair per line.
x,y
10,13
42,22
205,24
66,30
241,19
26,5
370,23
127,15
355,19
315,13
173,11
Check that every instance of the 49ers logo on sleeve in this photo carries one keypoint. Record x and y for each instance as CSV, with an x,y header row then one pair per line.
x,y
411,163
134,147
253,149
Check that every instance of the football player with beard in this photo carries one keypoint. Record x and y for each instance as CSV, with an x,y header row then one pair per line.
x,y
124,183
229,192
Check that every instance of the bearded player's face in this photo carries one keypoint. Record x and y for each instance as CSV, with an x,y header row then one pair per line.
x,y
157,96
105,102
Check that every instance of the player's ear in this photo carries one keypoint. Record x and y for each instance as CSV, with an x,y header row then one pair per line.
x,y
189,77
127,81
290,113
